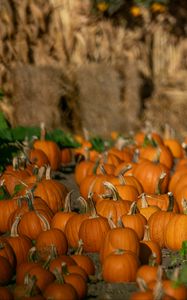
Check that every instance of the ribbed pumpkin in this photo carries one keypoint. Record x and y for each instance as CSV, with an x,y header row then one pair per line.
x,y
95,224
51,238
177,224
158,223
133,219
119,238
149,248
60,219
20,244
52,192
120,266
150,173
50,148
112,205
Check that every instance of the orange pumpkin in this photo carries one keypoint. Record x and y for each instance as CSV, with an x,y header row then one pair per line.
x,y
120,266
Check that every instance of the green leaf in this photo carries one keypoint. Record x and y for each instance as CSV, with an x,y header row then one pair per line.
x,y
3,122
62,139
20,133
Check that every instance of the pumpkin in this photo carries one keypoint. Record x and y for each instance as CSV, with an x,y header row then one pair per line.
x,y
76,280
28,289
52,192
50,148
120,266
95,224
158,222
135,220
56,263
51,237
160,200
149,248
81,170
7,207
178,223
83,260
13,176
153,175
148,272
23,269
7,251
72,227
66,156
33,222
43,277
38,157
60,291
5,293
147,210
6,271
161,153
119,238
60,219
112,205
20,244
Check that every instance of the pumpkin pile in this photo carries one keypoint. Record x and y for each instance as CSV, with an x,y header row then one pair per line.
x,y
132,203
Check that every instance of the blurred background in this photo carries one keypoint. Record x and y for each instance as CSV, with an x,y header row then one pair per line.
x,y
99,65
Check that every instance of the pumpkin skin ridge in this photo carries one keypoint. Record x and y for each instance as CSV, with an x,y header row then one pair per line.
x,y
178,221
126,262
99,226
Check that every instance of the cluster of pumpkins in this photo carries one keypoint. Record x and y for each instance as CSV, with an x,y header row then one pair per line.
x,y
132,203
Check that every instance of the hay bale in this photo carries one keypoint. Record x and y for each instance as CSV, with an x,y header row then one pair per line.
x,y
98,97
40,92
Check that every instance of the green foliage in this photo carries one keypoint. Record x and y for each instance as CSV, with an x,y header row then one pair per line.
x,y
99,144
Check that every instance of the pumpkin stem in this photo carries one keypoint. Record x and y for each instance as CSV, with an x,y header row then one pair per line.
x,y
14,227
146,233
58,275
42,131
45,223
159,184
48,173
84,205
136,156
157,156
52,255
64,268
111,222
152,259
171,201
32,255
67,202
133,209
184,206
105,156
144,202
97,162
79,249
30,282
93,211
102,169
125,169
141,284
112,189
